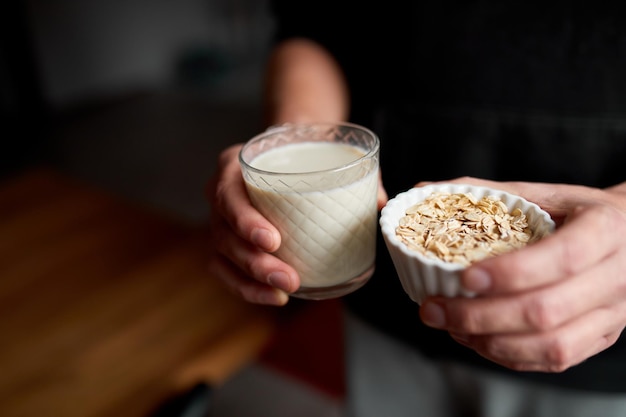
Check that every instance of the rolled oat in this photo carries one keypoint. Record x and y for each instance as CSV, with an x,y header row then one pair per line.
x,y
462,229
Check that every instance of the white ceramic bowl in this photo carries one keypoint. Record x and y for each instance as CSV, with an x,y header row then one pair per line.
x,y
422,276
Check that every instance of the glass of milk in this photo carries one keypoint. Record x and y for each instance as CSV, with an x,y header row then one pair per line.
x,y
317,183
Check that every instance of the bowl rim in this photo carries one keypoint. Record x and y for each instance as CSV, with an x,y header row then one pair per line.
x,y
388,222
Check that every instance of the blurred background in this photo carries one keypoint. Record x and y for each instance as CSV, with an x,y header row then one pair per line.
x,y
106,304
135,96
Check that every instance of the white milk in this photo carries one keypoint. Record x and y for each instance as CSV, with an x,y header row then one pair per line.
x,y
327,236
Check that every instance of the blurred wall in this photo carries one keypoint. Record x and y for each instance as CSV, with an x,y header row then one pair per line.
x,y
135,96
96,48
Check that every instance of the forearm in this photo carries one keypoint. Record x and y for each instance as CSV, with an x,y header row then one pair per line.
x,y
303,83
620,188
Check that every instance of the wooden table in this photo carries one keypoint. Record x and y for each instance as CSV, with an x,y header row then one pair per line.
x,y
106,307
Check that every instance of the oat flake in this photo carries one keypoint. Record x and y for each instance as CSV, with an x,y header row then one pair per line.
x,y
462,229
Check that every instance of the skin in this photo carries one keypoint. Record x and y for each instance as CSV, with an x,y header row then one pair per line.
x,y
555,303
544,308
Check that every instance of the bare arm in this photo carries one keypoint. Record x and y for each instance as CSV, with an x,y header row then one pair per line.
x,y
304,83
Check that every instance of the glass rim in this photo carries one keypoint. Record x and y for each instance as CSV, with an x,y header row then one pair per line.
x,y
287,126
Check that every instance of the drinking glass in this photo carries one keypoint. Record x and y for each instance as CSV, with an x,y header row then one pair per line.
x,y
317,183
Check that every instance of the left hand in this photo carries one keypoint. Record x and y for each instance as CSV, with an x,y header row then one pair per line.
x,y
555,303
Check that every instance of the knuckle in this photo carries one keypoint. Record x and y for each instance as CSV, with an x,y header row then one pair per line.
x,y
219,193
492,348
517,263
255,267
611,339
540,314
469,321
558,355
251,265
245,293
570,257
252,294
228,156
232,286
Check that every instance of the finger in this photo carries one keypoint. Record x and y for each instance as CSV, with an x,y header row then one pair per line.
x,y
553,351
554,198
227,158
592,234
532,311
244,287
382,197
254,263
228,195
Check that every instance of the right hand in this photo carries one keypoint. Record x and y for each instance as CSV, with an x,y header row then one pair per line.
x,y
242,240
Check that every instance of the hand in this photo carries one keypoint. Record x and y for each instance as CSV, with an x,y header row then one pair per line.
x,y
555,303
242,240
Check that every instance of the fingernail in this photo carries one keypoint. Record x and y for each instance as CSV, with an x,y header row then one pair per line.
x,y
262,238
276,297
433,315
280,280
476,279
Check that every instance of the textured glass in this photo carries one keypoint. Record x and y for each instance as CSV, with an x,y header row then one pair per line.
x,y
327,218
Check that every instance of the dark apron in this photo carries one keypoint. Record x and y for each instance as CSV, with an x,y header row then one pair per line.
x,y
501,91
430,143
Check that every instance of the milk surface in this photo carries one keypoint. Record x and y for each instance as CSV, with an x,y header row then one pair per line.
x,y
328,236
307,157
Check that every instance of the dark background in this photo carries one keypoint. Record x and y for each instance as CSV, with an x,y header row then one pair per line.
x,y
134,96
